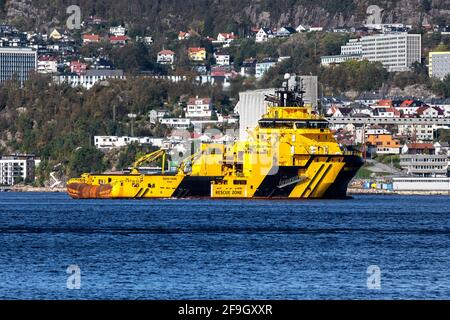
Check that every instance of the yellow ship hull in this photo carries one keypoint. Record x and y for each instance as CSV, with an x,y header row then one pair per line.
x,y
320,177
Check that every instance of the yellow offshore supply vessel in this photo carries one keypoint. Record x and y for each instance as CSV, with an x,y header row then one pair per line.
x,y
290,154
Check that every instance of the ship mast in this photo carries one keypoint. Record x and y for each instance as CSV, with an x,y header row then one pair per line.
x,y
286,96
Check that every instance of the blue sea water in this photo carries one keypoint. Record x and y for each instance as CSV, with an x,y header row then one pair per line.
x,y
213,249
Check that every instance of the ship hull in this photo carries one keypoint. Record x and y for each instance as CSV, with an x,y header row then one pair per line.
x,y
285,183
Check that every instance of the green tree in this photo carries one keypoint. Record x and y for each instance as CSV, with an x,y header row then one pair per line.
x,y
85,159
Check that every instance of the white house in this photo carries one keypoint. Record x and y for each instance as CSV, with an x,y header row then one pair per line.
x,y
226,37
264,34
178,123
316,28
155,115
118,31
47,65
430,112
110,142
222,59
199,108
286,32
166,57
302,28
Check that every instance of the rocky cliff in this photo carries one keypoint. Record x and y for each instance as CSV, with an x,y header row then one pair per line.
x,y
214,15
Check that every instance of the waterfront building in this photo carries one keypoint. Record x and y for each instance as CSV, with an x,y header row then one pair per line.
x,y
430,184
425,165
16,169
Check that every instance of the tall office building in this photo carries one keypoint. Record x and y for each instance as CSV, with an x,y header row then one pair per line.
x,y
397,52
17,62
439,64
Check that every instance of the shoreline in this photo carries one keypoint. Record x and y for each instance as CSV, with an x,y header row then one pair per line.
x,y
356,191
35,189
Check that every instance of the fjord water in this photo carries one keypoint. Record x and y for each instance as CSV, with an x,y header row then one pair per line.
x,y
207,249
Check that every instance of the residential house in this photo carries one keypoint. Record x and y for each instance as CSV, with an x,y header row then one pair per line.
x,y
418,148
383,143
78,67
248,67
166,57
381,112
226,38
430,112
157,114
409,107
369,98
222,59
340,112
302,28
184,35
264,34
111,142
91,38
119,40
94,20
178,123
118,31
55,35
147,40
285,32
199,108
315,28
197,54
47,64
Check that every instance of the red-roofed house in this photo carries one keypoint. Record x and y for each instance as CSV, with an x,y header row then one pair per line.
x,y
199,108
418,148
226,37
78,67
183,35
384,103
91,38
166,57
120,40
430,112
408,107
